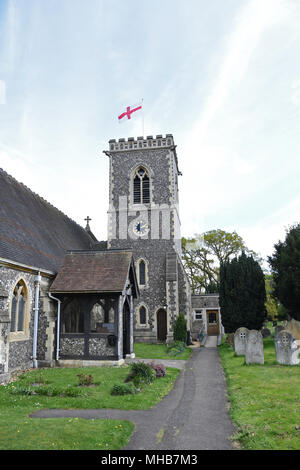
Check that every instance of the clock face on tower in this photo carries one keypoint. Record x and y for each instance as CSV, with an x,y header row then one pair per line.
x,y
140,228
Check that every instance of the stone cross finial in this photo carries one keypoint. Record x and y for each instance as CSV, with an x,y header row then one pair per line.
x,y
87,223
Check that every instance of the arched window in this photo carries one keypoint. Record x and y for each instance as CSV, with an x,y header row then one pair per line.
x,y
142,273
18,306
141,186
142,315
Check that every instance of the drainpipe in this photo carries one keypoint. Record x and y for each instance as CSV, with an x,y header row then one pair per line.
x,y
58,324
37,281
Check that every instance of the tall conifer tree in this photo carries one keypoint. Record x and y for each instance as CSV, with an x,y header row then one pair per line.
x,y
285,265
242,294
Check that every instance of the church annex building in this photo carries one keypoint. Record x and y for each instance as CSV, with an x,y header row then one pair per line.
x,y
67,298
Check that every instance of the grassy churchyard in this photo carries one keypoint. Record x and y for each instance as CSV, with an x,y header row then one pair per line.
x,y
161,351
60,388
265,400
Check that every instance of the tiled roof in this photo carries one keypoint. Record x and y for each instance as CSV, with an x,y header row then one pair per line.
x,y
94,271
32,231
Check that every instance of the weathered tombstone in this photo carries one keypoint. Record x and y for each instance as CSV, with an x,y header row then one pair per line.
x,y
240,338
286,348
254,348
278,329
265,332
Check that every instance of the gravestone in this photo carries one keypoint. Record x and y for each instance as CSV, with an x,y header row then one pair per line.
x,y
254,348
286,348
278,329
240,338
265,332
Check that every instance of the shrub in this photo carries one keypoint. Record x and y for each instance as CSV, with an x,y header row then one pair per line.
x,y
22,390
85,379
180,330
159,369
141,373
176,348
124,389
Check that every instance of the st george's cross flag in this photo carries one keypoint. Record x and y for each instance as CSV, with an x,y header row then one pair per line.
x,y
129,113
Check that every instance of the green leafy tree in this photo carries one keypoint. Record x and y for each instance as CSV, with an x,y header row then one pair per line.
x,y
242,294
271,303
285,267
203,254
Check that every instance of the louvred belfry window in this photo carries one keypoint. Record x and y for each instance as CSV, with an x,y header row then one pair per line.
x,y
141,187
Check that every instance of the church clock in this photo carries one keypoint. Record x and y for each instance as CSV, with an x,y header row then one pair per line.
x,y
140,228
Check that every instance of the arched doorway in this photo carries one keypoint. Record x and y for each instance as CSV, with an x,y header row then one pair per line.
x,y
162,328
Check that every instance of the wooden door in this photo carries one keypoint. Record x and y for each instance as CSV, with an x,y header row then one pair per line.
x,y
212,321
162,329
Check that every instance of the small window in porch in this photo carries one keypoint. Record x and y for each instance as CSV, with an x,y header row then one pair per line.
x,y
97,318
73,319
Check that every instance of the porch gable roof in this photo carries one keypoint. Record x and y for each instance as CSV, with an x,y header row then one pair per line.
x,y
95,272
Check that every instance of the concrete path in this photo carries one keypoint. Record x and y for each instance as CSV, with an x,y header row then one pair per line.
x,y
194,416
211,342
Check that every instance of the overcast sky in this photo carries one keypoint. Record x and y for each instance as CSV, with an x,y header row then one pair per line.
x,y
222,76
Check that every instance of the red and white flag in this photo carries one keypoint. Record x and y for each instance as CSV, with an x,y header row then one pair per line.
x,y
129,113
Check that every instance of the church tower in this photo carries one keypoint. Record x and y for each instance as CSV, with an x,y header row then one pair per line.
x,y
144,215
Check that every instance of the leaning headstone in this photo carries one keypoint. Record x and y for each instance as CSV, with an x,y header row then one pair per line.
x,y
240,338
286,348
278,329
254,348
265,332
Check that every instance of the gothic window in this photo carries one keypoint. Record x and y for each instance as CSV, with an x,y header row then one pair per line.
x,y
141,186
142,273
142,315
73,318
18,308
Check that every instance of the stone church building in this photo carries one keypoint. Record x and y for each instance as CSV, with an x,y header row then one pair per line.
x,y
66,298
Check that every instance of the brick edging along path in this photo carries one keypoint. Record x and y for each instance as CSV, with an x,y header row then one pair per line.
x,y
193,416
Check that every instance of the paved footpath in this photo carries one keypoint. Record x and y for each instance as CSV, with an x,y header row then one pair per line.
x,y
194,416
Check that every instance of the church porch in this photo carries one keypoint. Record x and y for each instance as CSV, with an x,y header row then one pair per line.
x,y
96,312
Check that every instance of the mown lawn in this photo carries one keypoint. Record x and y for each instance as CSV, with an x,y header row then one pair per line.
x,y
19,431
159,351
265,400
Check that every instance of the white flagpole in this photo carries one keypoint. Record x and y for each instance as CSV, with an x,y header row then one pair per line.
x,y
143,117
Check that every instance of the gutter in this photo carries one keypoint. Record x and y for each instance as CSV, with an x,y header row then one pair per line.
x,y
37,281
58,324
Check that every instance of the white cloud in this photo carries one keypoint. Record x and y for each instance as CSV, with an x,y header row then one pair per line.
x,y
241,166
295,99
